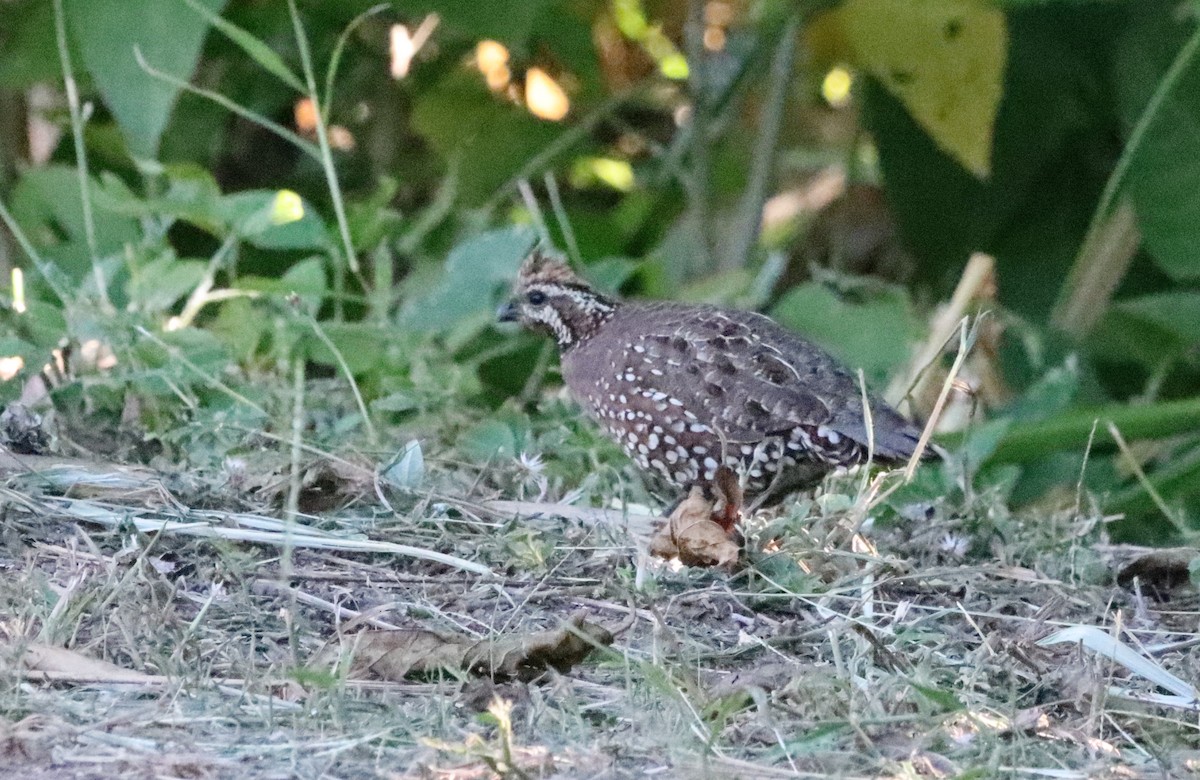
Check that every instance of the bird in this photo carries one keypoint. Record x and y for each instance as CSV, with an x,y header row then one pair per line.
x,y
693,392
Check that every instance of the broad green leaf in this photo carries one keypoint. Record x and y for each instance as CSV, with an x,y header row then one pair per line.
x,y
241,327
166,32
157,285
47,206
944,59
361,345
1177,312
871,330
305,279
492,440
1164,173
475,274
256,216
489,138
509,21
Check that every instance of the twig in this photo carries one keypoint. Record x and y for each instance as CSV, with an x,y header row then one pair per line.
x,y
329,606
965,340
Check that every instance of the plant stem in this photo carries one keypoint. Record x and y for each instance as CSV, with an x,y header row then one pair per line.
x,y
1100,216
331,180
224,102
372,433
699,181
85,195
749,219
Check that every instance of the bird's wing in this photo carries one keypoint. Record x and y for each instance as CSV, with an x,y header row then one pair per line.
x,y
718,368
784,381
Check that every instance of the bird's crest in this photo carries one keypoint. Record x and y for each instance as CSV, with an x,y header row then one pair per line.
x,y
542,267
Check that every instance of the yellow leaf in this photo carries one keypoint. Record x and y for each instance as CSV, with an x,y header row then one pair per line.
x,y
944,59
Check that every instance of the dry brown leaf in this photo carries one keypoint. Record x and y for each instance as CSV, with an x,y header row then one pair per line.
x,y
394,655
691,535
61,661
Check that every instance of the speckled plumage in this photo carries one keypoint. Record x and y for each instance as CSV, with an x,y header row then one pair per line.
x,y
685,388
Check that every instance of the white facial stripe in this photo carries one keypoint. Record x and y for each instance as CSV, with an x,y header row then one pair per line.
x,y
569,313
549,317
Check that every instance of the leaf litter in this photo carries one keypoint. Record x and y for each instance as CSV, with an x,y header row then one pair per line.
x,y
864,668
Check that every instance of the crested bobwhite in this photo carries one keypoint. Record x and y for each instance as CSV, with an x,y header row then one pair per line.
x,y
686,389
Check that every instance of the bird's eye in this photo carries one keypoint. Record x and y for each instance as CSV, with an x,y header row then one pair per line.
x,y
536,297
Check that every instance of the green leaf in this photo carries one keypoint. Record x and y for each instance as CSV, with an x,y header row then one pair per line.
x,y
305,279
493,440
169,37
1054,123
1164,173
157,285
476,272
361,344
509,21
240,327
29,53
947,700
1177,313
47,205
484,134
258,51
253,215
944,59
869,329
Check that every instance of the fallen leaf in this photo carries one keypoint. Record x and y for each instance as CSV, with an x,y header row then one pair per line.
x,y
59,660
394,655
692,536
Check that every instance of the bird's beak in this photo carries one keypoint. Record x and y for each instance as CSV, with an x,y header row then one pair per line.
x,y
507,312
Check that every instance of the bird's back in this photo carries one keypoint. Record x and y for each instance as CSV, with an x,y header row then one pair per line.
x,y
725,378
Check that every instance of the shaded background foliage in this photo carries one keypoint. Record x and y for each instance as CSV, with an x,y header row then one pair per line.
x,y
1059,137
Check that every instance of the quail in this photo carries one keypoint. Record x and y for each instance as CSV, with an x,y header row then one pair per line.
x,y
692,391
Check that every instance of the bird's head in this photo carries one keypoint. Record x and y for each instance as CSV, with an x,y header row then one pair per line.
x,y
550,298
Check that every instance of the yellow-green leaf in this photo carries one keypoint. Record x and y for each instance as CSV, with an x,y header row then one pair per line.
x,y
944,59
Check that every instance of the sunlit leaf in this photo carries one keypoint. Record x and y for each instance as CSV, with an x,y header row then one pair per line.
x,y
944,59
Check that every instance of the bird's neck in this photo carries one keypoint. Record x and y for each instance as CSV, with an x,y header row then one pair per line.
x,y
583,318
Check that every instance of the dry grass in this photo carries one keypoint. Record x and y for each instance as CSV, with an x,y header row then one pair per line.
x,y
913,650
